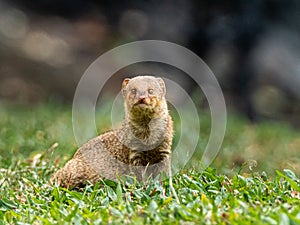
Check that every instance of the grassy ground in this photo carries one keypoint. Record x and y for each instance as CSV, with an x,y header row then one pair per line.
x,y
254,179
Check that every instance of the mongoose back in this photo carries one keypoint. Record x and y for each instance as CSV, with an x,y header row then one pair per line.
x,y
141,147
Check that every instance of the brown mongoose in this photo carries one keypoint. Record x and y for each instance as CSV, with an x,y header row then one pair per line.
x,y
141,147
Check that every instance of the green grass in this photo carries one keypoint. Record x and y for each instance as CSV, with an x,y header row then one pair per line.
x,y
254,180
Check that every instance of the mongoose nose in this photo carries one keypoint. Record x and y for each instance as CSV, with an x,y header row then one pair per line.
x,y
142,99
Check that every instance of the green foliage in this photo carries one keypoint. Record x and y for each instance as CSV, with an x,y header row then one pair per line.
x,y
205,198
234,195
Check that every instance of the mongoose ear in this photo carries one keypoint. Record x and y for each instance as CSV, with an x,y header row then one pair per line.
x,y
124,84
162,85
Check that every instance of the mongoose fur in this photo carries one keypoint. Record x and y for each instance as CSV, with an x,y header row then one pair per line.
x,y
141,147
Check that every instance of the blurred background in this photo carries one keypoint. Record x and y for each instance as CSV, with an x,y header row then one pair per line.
x,y
253,48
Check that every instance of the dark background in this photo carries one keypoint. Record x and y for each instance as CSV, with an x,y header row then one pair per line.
x,y
253,47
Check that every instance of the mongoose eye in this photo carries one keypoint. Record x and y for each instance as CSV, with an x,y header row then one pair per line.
x,y
133,91
150,91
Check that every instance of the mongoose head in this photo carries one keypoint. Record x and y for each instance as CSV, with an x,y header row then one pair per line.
x,y
144,95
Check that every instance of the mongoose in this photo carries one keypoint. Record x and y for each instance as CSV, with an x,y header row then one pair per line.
x,y
141,147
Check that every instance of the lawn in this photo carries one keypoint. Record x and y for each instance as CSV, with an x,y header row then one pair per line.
x,y
254,179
